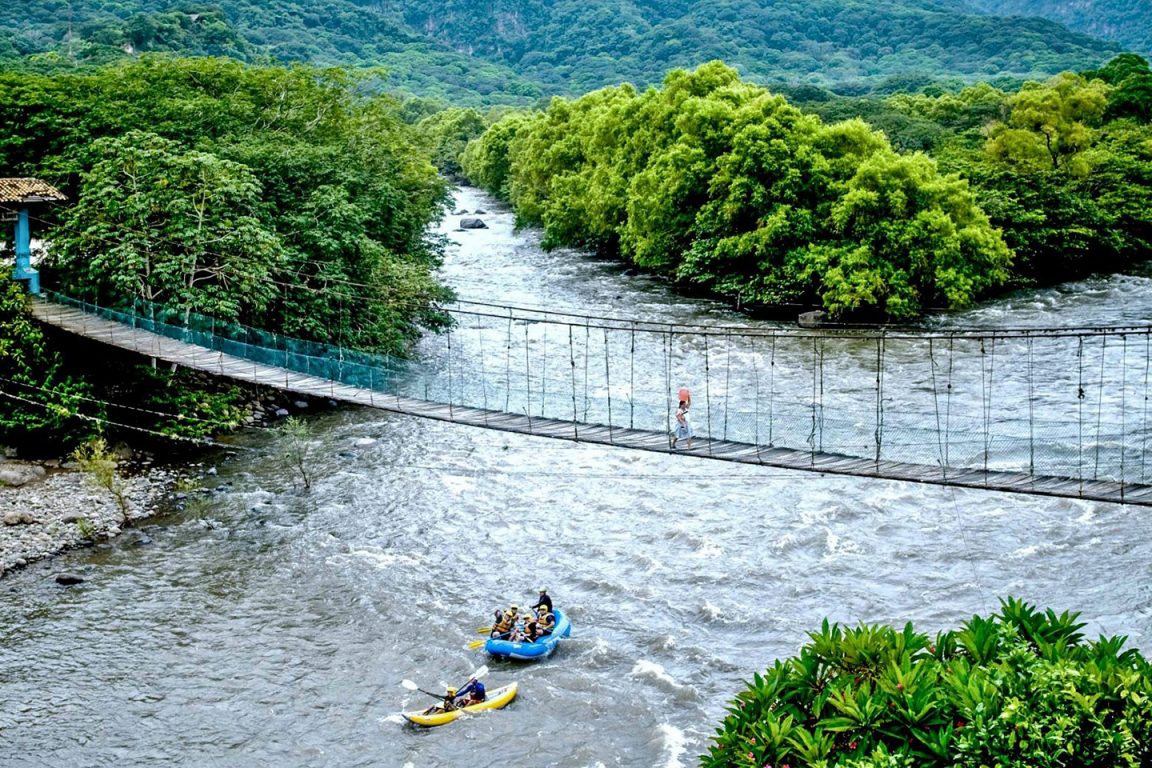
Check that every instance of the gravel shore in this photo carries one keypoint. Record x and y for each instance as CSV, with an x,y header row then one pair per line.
x,y
45,510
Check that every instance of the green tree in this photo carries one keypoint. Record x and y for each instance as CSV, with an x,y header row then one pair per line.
x,y
169,227
448,133
1051,125
42,408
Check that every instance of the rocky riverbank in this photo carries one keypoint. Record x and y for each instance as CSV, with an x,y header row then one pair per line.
x,y
46,509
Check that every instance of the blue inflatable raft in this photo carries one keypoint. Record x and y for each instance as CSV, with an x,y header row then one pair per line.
x,y
541,647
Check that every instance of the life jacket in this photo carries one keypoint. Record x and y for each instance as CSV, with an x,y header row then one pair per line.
x,y
547,623
531,630
507,621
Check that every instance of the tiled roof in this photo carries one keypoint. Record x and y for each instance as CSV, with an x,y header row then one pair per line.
x,y
28,191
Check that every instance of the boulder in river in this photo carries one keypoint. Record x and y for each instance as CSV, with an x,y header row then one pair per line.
x,y
472,223
16,475
68,579
459,211
813,319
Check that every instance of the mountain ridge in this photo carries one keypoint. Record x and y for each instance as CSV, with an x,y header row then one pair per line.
x,y
517,52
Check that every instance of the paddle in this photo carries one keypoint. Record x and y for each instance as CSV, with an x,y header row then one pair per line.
x,y
413,687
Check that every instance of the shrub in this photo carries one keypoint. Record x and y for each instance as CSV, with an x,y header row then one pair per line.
x,y
1019,688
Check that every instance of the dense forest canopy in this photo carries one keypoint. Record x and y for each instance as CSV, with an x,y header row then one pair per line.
x,y
282,198
589,44
1128,22
721,184
465,51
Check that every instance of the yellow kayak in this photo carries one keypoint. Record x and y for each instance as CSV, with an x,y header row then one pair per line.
x,y
498,698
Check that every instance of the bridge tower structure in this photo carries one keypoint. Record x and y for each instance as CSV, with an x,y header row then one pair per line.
x,y
17,196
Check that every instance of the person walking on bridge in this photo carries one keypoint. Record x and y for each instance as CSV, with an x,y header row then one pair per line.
x,y
683,429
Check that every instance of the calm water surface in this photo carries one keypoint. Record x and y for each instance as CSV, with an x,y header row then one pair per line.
x,y
265,626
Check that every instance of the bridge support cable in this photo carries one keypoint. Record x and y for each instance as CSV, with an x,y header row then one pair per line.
x,y
483,368
632,379
708,393
755,357
878,435
1031,409
772,392
987,364
572,362
1123,408
543,366
508,365
587,357
1080,410
820,398
527,375
1147,428
608,382
666,338
948,402
450,397
936,407
1100,407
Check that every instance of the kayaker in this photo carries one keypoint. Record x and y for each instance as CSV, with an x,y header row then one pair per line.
x,y
449,702
472,693
543,600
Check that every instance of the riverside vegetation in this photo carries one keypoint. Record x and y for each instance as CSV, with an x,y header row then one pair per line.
x,y
1021,688
723,185
282,198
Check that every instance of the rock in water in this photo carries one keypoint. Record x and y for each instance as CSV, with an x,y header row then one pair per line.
x,y
472,223
69,578
813,319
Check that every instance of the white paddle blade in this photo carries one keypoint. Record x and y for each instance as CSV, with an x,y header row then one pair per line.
x,y
410,685
480,672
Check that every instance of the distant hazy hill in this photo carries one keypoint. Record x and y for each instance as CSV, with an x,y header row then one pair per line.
x,y
1128,22
453,48
587,43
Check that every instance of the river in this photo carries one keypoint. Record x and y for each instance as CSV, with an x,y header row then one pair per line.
x,y
268,626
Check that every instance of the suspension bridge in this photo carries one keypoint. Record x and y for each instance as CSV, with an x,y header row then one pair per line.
x,y
1056,412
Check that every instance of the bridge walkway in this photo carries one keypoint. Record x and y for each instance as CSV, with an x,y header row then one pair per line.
x,y
77,321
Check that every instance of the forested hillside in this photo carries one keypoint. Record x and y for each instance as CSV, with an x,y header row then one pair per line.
x,y
470,51
327,32
1128,22
584,45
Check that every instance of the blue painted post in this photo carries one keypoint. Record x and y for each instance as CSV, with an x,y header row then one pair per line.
x,y
23,270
